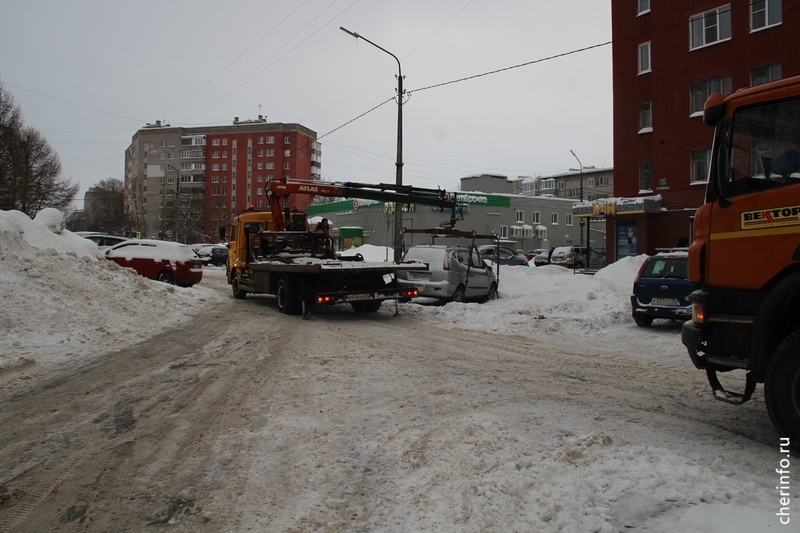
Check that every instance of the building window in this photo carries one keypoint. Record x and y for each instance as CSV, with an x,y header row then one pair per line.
x,y
602,181
701,90
700,161
574,193
644,58
710,27
764,13
287,140
520,216
287,153
215,167
225,142
554,219
646,117
765,74
590,182
215,155
261,140
536,217
568,220
270,165
214,179
646,176
270,140
260,166
215,142
225,154
504,232
644,7
270,153
286,166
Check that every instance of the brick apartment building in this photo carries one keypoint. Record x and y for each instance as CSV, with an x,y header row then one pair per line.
x,y
185,183
668,57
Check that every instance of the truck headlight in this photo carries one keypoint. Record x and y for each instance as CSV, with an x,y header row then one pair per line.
x,y
698,315
698,299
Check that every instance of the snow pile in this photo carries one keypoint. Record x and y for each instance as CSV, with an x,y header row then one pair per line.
x,y
61,297
540,300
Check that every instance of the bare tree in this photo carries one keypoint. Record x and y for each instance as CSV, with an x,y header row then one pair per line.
x,y
29,168
104,207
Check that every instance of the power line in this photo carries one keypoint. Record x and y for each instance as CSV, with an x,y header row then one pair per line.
x,y
71,103
504,69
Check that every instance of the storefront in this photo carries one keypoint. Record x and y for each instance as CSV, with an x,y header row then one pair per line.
x,y
628,223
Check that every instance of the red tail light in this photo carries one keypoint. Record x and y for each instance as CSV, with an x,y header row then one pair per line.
x,y
446,265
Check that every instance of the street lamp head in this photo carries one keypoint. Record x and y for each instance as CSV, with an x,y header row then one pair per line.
x,y
354,34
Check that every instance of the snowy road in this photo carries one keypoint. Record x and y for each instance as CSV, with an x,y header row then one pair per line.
x,y
248,420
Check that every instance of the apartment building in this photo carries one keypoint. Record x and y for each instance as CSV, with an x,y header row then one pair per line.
x,y
183,184
668,58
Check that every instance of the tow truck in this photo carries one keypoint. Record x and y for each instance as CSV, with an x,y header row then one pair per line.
x,y
273,252
745,256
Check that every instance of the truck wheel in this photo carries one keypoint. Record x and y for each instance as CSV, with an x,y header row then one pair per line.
x,y
782,389
371,306
286,298
642,320
460,294
238,293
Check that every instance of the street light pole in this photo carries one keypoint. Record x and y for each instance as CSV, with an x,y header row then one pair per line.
x,y
589,218
398,206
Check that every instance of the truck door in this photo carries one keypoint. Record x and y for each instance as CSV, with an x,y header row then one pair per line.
x,y
755,225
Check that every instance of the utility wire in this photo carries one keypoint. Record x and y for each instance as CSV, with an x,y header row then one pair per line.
x,y
237,58
504,69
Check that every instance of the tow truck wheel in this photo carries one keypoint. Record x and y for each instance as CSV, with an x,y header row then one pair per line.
x,y
782,389
460,294
238,293
286,299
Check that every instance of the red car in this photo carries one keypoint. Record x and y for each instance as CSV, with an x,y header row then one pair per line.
x,y
165,261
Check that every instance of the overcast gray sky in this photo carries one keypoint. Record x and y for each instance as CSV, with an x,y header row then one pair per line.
x,y
88,74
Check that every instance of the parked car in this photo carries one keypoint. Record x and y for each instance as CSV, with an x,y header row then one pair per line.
x,y
446,276
165,261
530,254
569,256
542,258
507,255
218,255
103,240
661,289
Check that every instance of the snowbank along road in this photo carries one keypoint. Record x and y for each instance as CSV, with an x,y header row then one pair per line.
x,y
249,420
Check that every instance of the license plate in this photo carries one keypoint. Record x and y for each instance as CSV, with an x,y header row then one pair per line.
x,y
365,296
664,301
419,275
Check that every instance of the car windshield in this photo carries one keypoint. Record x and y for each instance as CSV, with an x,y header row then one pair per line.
x,y
665,267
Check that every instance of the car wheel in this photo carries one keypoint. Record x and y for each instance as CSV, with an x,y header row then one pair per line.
x,y
238,293
579,265
460,294
642,320
492,294
166,276
286,297
782,389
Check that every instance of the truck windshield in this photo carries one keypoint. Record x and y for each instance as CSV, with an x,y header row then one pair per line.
x,y
764,146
